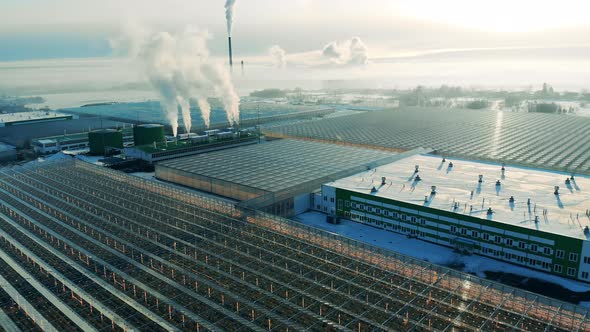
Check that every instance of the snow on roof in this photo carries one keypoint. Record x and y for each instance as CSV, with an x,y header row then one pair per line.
x,y
29,116
458,190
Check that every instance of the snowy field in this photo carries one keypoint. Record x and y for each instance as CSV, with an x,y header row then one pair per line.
x,y
431,252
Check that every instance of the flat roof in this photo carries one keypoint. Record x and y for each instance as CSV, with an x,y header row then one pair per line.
x,y
30,116
277,165
565,213
530,139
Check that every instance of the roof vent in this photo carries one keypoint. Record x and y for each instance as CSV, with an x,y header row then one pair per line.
x,y
528,201
498,183
503,166
567,180
451,164
383,180
586,230
536,219
416,168
425,198
373,190
480,178
433,190
511,200
490,211
556,192
444,159
418,178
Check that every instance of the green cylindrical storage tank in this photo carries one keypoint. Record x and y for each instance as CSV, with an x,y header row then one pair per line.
x,y
101,139
148,134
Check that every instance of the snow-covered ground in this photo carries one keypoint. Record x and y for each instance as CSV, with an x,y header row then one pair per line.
x,y
431,252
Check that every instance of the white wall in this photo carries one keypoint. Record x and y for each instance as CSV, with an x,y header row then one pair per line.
x,y
302,203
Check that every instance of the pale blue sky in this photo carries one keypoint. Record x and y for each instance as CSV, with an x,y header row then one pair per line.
x,y
37,29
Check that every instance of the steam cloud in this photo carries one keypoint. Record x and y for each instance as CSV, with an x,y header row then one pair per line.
x,y
352,51
279,55
180,70
229,14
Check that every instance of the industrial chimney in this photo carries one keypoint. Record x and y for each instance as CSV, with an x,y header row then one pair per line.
x,y
231,63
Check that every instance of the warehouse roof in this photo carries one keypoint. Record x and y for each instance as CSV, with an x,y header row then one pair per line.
x,y
30,116
565,213
278,165
529,139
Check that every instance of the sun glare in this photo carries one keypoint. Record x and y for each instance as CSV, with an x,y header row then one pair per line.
x,y
499,15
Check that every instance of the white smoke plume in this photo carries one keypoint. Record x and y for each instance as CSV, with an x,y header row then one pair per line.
x,y
185,109
229,14
279,56
221,81
180,70
205,111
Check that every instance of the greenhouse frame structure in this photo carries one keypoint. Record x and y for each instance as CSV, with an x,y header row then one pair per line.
x,y
88,248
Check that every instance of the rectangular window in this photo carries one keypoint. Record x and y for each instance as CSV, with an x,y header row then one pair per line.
x,y
423,221
395,215
571,271
378,211
347,203
453,229
463,231
584,275
558,253
573,257
497,239
521,245
413,219
326,198
545,265
509,242
586,260
486,236
534,247
557,268
331,199
404,217
474,234
547,251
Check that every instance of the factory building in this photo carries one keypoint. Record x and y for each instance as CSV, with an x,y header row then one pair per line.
x,y
276,177
528,217
21,118
53,144
185,144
